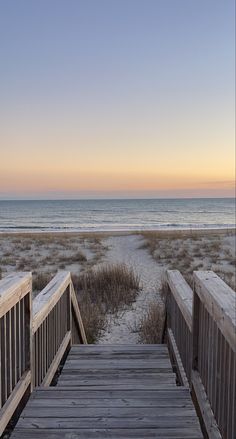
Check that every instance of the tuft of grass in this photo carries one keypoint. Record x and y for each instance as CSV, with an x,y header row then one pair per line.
x,y
94,317
164,291
103,290
152,323
73,258
21,264
115,285
8,261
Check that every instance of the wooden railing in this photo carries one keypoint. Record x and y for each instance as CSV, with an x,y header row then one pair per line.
x,y
34,339
179,318
214,348
201,333
15,341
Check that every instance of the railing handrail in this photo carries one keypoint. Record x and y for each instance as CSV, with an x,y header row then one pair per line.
x,y
13,288
220,301
218,298
182,293
48,297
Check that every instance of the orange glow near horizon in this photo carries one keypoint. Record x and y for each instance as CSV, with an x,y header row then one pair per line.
x,y
76,181
143,168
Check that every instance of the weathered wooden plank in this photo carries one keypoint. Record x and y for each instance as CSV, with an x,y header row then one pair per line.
x,y
116,355
115,364
100,422
161,377
108,412
171,401
104,433
104,380
114,373
116,386
64,392
114,382
118,348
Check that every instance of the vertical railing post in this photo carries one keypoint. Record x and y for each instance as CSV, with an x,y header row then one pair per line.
x,y
29,359
195,330
69,313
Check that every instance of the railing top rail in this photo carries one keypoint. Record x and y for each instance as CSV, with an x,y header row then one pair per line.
x,y
220,301
13,288
182,293
48,297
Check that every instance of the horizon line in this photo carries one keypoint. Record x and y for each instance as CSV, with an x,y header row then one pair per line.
x,y
118,199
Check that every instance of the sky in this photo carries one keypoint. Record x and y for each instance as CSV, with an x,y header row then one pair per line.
x,y
117,98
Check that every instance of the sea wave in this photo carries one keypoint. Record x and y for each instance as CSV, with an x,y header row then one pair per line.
x,y
115,215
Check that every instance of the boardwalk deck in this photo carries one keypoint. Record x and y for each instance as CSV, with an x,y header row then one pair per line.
x,y
111,392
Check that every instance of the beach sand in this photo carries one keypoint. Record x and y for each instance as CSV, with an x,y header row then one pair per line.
x,y
149,254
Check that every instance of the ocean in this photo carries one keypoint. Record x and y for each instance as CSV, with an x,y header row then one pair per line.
x,y
116,215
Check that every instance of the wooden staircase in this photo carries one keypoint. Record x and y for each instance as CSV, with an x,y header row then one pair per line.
x,y
117,391
112,392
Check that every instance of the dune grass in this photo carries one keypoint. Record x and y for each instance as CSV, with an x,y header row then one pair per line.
x,y
151,325
104,290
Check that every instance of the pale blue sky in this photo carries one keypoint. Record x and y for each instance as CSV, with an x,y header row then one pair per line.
x,y
129,90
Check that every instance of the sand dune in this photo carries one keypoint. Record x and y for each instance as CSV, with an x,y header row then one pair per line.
x,y
149,254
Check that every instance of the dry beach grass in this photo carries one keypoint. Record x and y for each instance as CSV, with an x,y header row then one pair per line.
x,y
106,289
152,323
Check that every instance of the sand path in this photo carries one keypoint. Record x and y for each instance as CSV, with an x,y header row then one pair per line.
x,y
126,249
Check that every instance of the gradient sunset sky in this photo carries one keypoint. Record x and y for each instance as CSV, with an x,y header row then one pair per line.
x,y
116,98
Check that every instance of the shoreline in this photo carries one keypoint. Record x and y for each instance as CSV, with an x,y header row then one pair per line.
x,y
106,233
